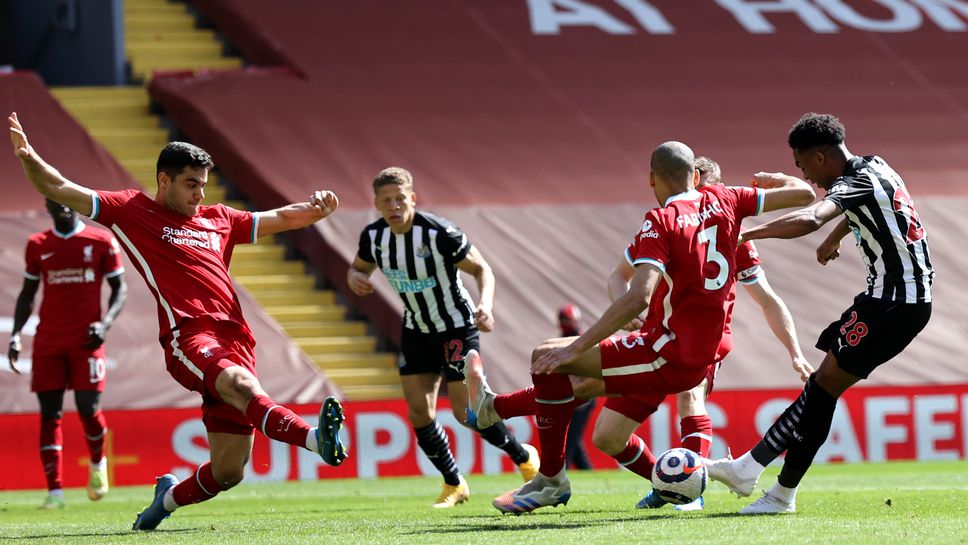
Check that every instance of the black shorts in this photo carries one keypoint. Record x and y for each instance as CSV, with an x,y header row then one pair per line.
x,y
871,332
436,352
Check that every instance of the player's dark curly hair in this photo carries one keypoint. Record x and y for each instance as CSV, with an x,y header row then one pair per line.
x,y
178,155
815,129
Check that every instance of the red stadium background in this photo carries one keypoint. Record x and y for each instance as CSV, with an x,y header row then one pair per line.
x,y
529,123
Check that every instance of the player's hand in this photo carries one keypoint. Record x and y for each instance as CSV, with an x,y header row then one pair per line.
x,y
18,137
13,353
802,367
769,180
484,318
326,201
96,332
828,251
553,359
360,283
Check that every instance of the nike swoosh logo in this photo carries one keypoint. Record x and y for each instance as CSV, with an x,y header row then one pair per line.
x,y
690,470
43,257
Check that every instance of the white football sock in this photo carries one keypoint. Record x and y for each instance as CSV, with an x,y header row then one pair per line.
x,y
781,492
747,467
311,441
168,502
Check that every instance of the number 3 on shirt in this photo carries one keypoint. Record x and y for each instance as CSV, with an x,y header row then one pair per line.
x,y
708,236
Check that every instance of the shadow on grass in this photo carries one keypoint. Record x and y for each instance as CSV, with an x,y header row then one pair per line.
x,y
96,534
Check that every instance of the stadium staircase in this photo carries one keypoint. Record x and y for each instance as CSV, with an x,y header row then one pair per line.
x,y
162,36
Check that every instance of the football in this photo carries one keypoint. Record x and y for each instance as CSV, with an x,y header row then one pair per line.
x,y
679,476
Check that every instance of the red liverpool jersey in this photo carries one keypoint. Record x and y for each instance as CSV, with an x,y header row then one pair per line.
x,y
71,268
184,260
692,239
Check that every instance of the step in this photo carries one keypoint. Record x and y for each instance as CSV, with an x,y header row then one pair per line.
x,y
307,312
244,267
352,361
308,329
126,92
185,63
262,251
136,151
364,377
372,393
209,47
106,109
104,121
295,297
168,19
110,138
151,8
276,282
337,344
135,38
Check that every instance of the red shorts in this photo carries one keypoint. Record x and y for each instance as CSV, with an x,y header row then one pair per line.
x,y
196,353
61,368
631,367
640,407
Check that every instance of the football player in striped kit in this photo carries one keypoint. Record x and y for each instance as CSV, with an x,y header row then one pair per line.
x,y
883,319
420,254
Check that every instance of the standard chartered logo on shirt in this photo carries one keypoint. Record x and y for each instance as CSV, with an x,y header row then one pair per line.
x,y
403,284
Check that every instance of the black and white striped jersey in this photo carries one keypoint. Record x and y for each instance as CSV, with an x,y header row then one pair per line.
x,y
887,229
421,266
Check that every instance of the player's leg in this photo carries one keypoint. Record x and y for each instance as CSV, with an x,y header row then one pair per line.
x,y
420,392
95,433
87,379
695,427
497,433
614,435
52,445
232,378
229,454
555,402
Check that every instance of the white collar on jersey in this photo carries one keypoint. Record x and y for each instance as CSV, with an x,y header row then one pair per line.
x,y
690,195
77,229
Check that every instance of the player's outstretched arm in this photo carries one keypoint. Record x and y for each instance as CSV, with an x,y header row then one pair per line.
x,y
796,224
48,181
475,265
634,302
829,249
25,306
782,191
781,323
296,216
358,277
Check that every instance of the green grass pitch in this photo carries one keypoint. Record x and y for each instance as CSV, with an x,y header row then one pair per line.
x,y
880,504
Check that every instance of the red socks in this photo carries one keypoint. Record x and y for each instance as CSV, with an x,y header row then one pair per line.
x,y
636,457
555,403
52,451
95,431
277,422
519,403
201,486
697,434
